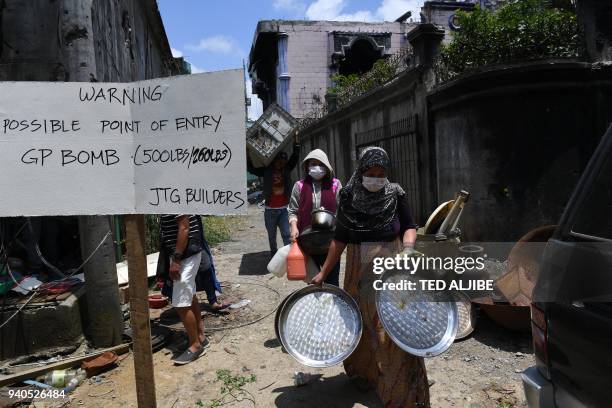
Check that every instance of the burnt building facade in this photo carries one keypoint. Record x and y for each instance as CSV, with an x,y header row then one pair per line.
x,y
291,62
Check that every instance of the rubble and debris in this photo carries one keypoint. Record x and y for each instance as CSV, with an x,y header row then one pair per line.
x,y
27,374
230,349
240,304
300,378
100,363
509,306
518,282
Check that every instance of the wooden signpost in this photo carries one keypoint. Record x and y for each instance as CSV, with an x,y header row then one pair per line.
x,y
139,310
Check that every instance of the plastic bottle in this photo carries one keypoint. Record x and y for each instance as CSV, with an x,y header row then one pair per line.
x,y
240,304
62,378
278,264
72,384
296,263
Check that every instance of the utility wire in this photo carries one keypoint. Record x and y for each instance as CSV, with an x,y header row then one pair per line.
x,y
40,254
17,311
2,247
49,284
66,277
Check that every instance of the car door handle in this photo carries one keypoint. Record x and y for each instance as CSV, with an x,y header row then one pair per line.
x,y
578,304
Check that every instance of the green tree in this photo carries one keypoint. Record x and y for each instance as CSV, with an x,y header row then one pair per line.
x,y
347,87
519,31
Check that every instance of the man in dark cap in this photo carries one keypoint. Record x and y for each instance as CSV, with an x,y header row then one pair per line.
x,y
276,191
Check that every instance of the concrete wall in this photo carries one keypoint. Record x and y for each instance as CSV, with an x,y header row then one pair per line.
x,y
129,41
35,54
127,36
594,18
308,63
518,138
439,13
45,330
309,57
336,133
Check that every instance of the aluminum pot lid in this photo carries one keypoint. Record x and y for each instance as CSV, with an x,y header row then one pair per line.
x,y
422,323
465,315
320,326
279,308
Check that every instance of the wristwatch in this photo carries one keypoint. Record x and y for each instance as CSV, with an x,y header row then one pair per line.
x,y
177,256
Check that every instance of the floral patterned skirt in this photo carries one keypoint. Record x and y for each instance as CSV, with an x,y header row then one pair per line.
x,y
400,379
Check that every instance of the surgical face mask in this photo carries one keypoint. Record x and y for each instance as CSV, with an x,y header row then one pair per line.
x,y
317,172
374,184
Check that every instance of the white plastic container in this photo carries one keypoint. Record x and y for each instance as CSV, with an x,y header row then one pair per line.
x,y
278,264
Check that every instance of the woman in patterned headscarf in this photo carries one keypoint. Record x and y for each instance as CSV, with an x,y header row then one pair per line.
x,y
374,221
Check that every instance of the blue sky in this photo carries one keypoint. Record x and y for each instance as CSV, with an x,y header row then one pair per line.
x,y
214,34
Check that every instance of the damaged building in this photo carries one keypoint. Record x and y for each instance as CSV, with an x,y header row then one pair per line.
x,y
292,62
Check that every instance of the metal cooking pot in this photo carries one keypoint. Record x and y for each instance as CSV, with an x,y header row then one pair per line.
x,y
315,242
322,219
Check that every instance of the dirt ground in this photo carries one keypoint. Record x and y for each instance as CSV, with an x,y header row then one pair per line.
x,y
480,371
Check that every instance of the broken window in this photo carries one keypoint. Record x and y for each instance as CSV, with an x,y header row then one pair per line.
x,y
359,58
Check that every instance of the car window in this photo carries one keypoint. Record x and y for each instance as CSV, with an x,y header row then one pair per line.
x,y
594,215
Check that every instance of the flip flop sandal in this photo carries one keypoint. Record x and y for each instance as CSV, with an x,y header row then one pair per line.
x,y
222,307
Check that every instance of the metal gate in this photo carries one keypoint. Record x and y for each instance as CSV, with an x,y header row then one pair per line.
x,y
401,141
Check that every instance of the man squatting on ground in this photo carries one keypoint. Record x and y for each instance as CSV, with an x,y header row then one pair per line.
x,y
181,237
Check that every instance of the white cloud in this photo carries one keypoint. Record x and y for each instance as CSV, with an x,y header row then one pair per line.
x,y
325,9
217,44
176,53
363,15
332,10
294,6
388,10
196,70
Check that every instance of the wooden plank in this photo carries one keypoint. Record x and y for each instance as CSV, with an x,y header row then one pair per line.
x,y
70,362
139,310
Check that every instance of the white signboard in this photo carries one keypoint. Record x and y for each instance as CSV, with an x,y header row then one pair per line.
x,y
169,145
